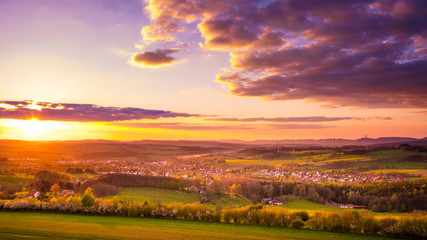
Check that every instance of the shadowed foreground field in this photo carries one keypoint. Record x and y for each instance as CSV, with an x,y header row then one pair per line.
x,y
24,225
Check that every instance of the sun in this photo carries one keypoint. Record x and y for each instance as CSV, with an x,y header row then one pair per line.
x,y
35,128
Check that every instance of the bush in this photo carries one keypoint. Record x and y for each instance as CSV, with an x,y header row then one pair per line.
x,y
297,224
303,215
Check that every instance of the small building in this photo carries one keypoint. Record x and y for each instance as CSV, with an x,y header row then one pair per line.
x,y
352,206
31,194
35,194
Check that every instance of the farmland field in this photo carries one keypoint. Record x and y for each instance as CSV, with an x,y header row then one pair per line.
x,y
257,162
156,194
82,175
12,180
24,225
382,159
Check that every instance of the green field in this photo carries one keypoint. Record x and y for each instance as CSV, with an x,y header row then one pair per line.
x,y
25,225
82,175
228,201
13,180
383,159
156,195
248,162
311,207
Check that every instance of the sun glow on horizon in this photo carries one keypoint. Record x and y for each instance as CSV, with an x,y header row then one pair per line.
x,y
34,128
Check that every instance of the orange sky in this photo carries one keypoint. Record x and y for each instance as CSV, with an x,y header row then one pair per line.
x,y
134,70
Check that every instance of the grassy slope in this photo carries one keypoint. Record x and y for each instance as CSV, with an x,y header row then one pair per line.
x,y
169,196
156,194
228,201
311,207
23,225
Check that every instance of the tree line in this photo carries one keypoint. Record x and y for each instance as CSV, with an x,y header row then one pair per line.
x,y
380,197
347,221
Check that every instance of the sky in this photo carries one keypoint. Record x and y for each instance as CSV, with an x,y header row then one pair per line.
x,y
212,70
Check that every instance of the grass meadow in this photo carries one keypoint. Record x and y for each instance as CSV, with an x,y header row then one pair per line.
x,y
156,195
297,205
229,201
30,225
167,196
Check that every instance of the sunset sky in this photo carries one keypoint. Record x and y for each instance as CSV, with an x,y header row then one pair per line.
x,y
194,69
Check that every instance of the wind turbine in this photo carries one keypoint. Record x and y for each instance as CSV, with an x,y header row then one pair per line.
x,y
293,145
366,141
334,143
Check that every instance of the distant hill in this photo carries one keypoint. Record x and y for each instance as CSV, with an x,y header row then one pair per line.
x,y
159,149
331,141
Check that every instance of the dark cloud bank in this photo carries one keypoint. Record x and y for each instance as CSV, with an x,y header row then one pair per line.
x,y
81,112
363,53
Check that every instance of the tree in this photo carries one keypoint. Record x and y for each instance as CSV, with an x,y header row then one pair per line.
x,y
55,188
88,199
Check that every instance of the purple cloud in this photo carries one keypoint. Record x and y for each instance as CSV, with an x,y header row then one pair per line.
x,y
279,119
79,112
294,119
369,53
156,58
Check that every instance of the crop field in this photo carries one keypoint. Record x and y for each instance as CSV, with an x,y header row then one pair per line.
x,y
25,225
262,162
414,172
13,180
384,159
390,163
394,154
156,194
82,175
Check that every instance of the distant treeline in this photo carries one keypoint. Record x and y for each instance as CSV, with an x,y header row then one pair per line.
x,y
379,197
347,221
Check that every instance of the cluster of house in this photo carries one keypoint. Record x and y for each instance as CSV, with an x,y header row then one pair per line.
x,y
345,205
38,195
316,176
345,177
269,201
168,169
34,194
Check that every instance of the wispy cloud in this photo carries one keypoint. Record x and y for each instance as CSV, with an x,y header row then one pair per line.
x,y
421,112
181,126
295,119
80,112
295,126
201,127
